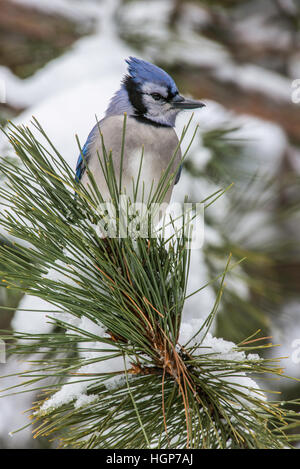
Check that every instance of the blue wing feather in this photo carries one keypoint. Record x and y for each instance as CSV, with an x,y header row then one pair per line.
x,y
80,166
84,156
177,177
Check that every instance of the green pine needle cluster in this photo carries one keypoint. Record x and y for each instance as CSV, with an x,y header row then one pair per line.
x,y
166,394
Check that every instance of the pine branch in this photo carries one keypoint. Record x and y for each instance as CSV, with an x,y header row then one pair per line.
x,y
116,370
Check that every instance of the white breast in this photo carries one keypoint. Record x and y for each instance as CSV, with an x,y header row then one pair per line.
x,y
157,144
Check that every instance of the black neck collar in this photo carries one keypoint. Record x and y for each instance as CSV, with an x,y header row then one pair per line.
x,y
147,121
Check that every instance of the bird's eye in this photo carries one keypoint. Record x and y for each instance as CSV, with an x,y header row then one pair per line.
x,y
156,96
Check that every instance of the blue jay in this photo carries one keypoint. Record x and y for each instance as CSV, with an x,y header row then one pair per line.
x,y
150,98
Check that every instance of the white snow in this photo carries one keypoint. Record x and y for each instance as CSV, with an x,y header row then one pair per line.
x,y
255,78
32,314
78,11
13,407
257,29
221,349
84,400
286,332
76,388
108,361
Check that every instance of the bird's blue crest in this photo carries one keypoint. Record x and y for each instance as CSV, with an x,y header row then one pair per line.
x,y
141,71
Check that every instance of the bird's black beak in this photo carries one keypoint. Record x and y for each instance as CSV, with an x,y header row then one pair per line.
x,y
179,102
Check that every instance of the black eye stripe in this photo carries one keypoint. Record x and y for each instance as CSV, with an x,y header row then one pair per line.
x,y
157,96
